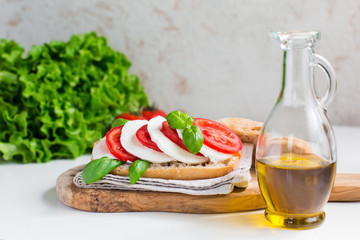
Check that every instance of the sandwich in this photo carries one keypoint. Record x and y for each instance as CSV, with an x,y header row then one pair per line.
x,y
185,151
176,147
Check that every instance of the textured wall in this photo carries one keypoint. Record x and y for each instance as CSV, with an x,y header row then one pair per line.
x,y
209,58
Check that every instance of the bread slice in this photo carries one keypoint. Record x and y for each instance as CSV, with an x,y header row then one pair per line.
x,y
249,132
286,145
182,171
246,129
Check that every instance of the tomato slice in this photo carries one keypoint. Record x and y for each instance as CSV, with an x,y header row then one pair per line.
x,y
144,137
172,134
115,147
218,137
149,114
129,116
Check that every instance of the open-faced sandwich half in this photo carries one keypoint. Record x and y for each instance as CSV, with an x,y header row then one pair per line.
x,y
171,150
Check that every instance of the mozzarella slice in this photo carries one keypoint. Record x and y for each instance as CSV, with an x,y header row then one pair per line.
x,y
212,154
131,144
101,150
215,156
168,147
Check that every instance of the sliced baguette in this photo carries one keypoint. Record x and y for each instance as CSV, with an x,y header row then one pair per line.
x,y
246,129
285,145
249,132
183,171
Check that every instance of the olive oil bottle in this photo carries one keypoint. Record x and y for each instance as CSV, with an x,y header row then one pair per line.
x,y
296,148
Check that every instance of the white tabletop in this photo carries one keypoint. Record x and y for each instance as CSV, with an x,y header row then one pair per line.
x,y
29,209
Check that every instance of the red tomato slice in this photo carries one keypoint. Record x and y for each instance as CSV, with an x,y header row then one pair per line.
x,y
129,116
218,137
144,137
172,134
148,114
115,147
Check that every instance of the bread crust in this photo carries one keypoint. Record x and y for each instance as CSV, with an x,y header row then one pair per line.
x,y
246,129
249,132
179,171
182,171
286,145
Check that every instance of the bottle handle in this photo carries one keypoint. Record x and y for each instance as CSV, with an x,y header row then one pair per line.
x,y
332,83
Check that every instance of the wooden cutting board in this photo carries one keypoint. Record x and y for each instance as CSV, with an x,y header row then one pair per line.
x,y
346,188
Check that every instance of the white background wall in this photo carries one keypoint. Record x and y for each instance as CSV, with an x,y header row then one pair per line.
x,y
209,58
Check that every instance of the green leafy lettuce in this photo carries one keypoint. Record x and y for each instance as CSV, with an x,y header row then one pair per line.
x,y
62,96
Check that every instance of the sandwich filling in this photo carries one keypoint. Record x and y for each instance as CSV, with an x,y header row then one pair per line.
x,y
155,142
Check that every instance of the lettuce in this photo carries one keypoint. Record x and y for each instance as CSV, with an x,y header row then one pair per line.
x,y
62,96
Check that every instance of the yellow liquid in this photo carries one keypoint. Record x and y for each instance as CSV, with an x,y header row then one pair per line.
x,y
295,188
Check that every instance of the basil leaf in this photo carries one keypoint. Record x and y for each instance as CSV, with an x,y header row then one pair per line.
x,y
98,168
179,120
137,169
193,139
119,122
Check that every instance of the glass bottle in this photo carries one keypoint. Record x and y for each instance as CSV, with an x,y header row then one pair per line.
x,y
296,149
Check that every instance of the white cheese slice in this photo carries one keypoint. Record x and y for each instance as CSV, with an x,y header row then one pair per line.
x,y
101,150
212,154
131,144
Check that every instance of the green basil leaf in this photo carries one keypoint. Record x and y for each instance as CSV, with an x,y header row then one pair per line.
x,y
193,139
98,168
119,122
179,120
137,169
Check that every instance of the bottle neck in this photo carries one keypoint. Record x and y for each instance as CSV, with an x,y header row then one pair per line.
x,y
297,75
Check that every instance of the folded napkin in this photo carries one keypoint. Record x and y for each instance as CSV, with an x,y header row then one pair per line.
x,y
213,186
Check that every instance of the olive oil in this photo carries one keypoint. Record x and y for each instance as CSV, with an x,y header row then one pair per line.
x,y
295,188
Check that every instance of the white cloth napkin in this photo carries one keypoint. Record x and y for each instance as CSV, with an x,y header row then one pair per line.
x,y
213,186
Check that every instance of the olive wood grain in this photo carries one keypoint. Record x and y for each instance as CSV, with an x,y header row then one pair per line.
x,y
346,188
